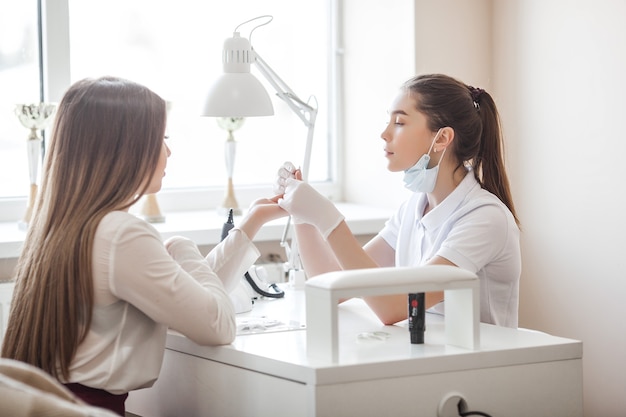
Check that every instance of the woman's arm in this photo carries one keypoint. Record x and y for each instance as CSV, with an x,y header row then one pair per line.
x,y
316,255
391,309
173,284
340,251
232,257
305,203
348,250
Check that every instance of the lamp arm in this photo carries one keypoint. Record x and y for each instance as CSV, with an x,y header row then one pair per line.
x,y
305,111
301,108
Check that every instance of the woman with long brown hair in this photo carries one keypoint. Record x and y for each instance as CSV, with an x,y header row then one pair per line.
x,y
446,138
96,288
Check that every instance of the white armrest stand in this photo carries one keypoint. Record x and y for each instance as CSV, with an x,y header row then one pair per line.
x,y
323,292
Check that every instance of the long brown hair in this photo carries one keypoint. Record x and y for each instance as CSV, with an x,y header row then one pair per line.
x,y
473,115
105,145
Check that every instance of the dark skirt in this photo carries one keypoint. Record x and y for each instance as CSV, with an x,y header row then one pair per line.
x,y
99,397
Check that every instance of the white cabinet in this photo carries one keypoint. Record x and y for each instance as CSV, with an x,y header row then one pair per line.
x,y
512,373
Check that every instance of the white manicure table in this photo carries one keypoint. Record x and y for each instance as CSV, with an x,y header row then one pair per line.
x,y
304,355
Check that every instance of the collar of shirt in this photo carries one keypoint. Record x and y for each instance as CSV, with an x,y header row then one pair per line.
x,y
442,212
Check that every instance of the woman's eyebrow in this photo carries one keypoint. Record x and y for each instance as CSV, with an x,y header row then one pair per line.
x,y
398,112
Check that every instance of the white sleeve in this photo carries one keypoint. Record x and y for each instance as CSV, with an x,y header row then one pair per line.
x,y
177,289
232,257
476,238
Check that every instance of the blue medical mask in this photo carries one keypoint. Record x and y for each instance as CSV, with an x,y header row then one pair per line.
x,y
420,178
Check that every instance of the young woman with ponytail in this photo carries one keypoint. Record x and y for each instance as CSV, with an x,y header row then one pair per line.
x,y
446,138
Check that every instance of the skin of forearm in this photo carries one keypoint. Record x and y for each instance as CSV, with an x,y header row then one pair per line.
x,y
391,309
348,250
316,255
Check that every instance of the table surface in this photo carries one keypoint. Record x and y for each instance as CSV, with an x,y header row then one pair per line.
x,y
272,340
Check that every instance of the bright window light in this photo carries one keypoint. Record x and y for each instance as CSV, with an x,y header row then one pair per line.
x,y
19,83
175,49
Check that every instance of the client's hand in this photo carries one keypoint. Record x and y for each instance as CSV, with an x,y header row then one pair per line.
x,y
267,209
306,205
261,211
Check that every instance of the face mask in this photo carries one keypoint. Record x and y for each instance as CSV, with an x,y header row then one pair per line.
x,y
420,178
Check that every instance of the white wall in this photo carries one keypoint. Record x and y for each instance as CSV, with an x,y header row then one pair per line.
x,y
379,56
557,70
560,69
454,37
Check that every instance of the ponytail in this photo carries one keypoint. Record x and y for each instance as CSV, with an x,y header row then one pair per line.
x,y
489,166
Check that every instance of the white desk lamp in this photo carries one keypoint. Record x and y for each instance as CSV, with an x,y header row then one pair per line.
x,y
238,93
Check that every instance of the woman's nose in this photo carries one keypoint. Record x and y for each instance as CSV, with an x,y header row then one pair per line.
x,y
384,134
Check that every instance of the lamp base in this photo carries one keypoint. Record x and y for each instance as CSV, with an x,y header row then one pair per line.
x,y
230,202
150,211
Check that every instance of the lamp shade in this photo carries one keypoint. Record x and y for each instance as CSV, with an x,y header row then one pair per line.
x,y
237,93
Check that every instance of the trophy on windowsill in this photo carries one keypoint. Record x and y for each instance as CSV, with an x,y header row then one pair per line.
x,y
230,124
35,117
150,210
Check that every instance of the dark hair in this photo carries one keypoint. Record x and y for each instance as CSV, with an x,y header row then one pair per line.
x,y
473,115
104,148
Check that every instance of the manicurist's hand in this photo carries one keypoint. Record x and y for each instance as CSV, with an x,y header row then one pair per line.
x,y
287,171
306,205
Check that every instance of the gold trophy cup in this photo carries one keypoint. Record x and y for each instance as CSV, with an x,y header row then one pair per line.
x,y
230,124
35,117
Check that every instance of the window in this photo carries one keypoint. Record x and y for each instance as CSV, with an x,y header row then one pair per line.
x,y
175,49
19,83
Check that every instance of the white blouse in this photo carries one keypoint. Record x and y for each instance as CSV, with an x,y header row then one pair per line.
x,y
143,287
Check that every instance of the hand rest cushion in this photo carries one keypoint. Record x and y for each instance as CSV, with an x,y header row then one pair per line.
x,y
324,291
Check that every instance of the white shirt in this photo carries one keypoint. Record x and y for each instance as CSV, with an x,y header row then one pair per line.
x,y
141,288
474,230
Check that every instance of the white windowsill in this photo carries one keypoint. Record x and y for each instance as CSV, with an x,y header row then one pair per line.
x,y
205,227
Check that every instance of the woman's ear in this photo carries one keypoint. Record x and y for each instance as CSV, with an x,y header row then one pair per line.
x,y
444,140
